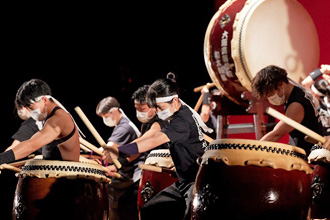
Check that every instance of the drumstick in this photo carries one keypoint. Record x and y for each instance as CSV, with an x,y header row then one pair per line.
x,y
295,125
199,88
199,102
91,146
84,148
94,132
155,168
207,138
9,167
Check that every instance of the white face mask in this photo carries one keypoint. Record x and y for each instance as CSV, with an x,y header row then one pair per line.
x,y
37,115
143,116
109,122
165,114
276,99
23,114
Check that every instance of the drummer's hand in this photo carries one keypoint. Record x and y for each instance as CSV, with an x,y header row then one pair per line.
x,y
110,170
111,152
326,144
325,69
205,89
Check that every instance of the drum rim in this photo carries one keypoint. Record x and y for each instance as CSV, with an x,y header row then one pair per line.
x,y
258,142
232,152
57,169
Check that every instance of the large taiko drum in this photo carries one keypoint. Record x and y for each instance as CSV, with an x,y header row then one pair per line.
x,y
245,36
156,175
320,179
249,179
61,190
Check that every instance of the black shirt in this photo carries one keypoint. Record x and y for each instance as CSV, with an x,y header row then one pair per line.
x,y
27,129
146,127
187,143
311,118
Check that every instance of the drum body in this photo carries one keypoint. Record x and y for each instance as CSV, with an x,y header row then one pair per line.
x,y
245,179
153,182
320,182
245,36
61,190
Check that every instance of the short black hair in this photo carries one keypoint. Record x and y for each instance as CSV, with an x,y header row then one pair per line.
x,y
140,94
106,104
30,90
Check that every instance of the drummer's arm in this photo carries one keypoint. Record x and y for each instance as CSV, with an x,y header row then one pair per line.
x,y
155,127
137,147
39,139
296,112
149,143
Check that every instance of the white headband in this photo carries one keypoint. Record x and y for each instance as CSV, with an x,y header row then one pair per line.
x,y
165,99
196,115
60,105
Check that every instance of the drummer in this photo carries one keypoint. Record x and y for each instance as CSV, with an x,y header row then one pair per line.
x,y
272,83
59,134
206,112
185,134
151,123
122,192
323,71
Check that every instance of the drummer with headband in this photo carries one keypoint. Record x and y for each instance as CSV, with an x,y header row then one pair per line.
x,y
59,134
185,134
272,83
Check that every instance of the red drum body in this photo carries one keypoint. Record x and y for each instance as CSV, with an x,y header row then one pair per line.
x,y
153,182
61,190
246,179
320,179
245,36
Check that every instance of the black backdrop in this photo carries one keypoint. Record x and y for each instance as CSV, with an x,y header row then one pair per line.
x,y
86,52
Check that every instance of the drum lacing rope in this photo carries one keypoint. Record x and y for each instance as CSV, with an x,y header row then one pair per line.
x,y
63,168
255,147
159,155
316,147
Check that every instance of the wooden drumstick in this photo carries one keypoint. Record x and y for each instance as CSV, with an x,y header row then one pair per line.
x,y
199,88
94,133
207,138
10,167
84,148
91,146
200,100
295,125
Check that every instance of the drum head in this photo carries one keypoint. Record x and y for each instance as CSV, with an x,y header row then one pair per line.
x,y
274,32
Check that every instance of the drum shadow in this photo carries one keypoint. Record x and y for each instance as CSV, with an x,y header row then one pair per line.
x,y
303,38
74,199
